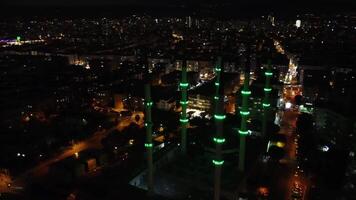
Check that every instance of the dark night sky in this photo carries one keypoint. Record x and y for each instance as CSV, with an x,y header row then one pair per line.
x,y
71,2
166,2
233,7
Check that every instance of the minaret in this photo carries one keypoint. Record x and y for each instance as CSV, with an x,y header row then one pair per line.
x,y
266,102
184,102
149,144
217,82
219,117
244,115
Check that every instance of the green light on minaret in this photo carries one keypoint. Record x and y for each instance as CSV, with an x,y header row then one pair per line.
x,y
219,140
184,120
184,102
244,113
245,92
268,73
18,38
267,89
266,105
184,85
148,145
218,162
243,132
219,117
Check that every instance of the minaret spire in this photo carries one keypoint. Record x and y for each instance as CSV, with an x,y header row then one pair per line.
x,y
244,112
184,102
219,117
266,102
149,144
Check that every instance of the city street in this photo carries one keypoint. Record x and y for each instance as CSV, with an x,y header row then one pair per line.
x,y
286,174
42,168
94,142
283,177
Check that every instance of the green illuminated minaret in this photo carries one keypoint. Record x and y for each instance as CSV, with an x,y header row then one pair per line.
x,y
219,117
217,70
266,103
244,112
184,102
149,144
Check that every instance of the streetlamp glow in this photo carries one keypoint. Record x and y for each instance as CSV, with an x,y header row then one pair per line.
x,y
298,23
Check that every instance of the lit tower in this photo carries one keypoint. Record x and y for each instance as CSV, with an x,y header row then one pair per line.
x,y
218,74
149,144
266,102
244,112
219,117
184,102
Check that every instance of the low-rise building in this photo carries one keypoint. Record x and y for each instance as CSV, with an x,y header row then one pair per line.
x,y
166,104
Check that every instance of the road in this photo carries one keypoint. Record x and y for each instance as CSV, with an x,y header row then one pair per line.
x,y
288,174
291,176
281,174
296,175
93,142
279,178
